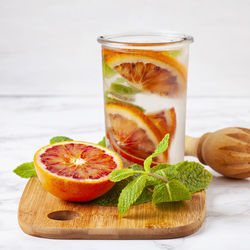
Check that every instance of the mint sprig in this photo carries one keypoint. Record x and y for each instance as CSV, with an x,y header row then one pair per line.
x,y
164,182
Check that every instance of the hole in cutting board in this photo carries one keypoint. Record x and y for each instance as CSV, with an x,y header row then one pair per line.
x,y
63,215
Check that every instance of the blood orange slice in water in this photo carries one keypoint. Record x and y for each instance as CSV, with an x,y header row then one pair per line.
x,y
131,133
76,171
165,121
150,71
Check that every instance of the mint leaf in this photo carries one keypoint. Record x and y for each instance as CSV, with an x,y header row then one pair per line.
x,y
193,176
102,142
26,170
182,163
174,190
145,196
174,53
109,99
159,167
136,167
121,89
120,80
59,139
153,181
161,147
111,197
169,173
131,193
120,174
118,86
107,71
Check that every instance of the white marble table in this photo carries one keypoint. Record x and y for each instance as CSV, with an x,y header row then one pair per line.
x,y
26,123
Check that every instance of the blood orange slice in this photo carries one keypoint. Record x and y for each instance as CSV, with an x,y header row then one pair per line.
x,y
151,71
165,121
131,133
76,171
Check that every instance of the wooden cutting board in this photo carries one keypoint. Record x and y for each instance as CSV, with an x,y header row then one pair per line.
x,y
43,215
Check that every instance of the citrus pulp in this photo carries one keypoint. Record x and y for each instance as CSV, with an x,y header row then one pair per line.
x,y
150,71
131,133
76,171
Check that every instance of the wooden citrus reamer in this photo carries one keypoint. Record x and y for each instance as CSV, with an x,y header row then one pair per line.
x,y
227,151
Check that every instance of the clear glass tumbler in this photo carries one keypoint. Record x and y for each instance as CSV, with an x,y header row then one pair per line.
x,y
145,86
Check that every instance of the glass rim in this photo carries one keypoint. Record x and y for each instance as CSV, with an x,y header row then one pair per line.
x,y
171,38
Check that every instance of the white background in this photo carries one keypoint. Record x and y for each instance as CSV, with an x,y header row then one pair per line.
x,y
48,47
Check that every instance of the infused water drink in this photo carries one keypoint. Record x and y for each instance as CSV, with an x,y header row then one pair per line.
x,y
145,85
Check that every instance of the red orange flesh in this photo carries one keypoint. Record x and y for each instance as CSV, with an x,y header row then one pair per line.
x,y
131,133
76,171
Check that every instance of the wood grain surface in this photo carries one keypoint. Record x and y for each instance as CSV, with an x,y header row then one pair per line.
x,y
43,215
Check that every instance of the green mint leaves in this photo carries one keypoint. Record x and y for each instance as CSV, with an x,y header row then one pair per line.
x,y
121,174
102,142
107,71
121,86
193,176
25,170
59,139
161,183
174,190
131,193
121,89
111,197
161,147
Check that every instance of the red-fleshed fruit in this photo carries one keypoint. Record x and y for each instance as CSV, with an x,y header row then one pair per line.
x,y
76,171
165,121
131,133
150,71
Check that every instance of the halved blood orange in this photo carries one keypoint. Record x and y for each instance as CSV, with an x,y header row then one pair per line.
x,y
131,133
76,171
151,71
